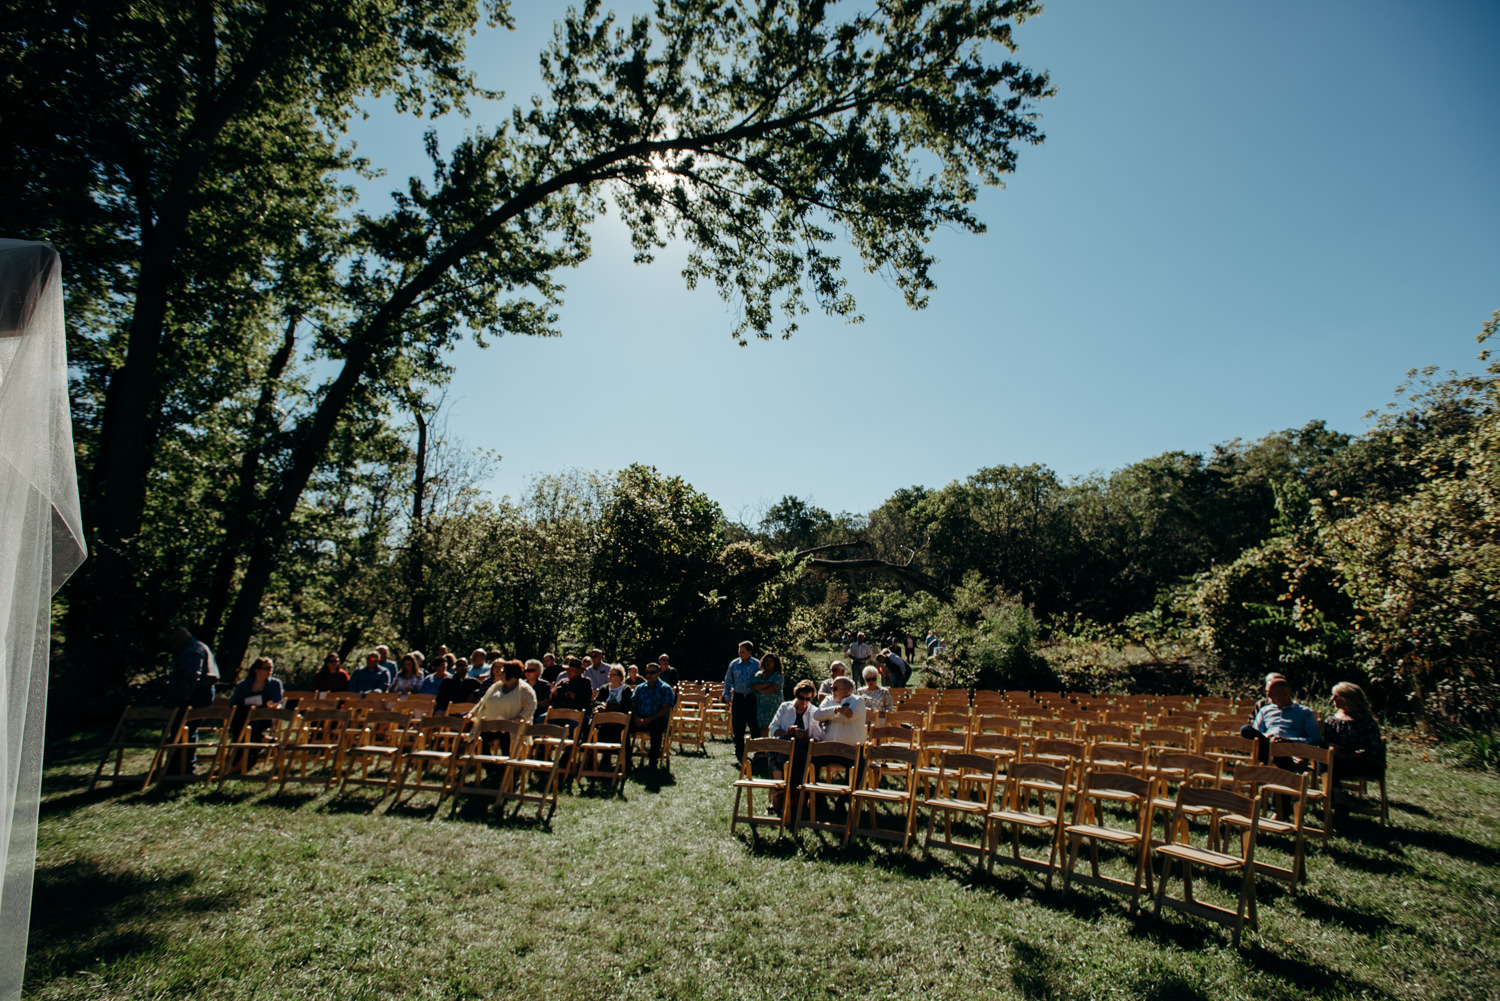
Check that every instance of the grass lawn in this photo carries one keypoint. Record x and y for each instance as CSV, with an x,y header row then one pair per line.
x,y
193,894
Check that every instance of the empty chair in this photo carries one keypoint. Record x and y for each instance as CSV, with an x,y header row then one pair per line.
x,y
687,728
1022,803
318,743
1058,753
1267,782
380,742
1004,748
1231,749
140,729
439,742
747,785
1320,781
1101,796
962,794
831,774
1157,739
547,749
888,781
934,746
1200,801
1175,769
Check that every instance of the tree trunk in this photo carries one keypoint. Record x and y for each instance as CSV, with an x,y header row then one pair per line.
x,y
416,619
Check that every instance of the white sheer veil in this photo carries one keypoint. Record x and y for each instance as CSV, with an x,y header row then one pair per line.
x,y
41,543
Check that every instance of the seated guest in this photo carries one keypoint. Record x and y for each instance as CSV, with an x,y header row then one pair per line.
x,y
794,721
1353,733
836,670
897,671
614,695
651,709
573,691
508,698
1282,720
541,687
332,677
410,677
633,676
258,688
448,687
551,669
842,714
477,666
386,664
434,681
877,700
596,671
668,672
371,677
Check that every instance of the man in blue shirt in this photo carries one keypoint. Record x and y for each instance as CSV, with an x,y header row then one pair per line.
x,y
739,692
371,677
1282,720
651,709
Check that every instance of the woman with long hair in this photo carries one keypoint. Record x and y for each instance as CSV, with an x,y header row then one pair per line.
x,y
1352,731
410,677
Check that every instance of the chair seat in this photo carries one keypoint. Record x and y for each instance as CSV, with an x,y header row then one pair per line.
x,y
1201,856
1025,819
1103,833
1266,823
881,795
959,805
488,759
374,749
826,788
760,784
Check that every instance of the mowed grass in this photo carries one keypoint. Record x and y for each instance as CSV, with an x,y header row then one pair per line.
x,y
194,894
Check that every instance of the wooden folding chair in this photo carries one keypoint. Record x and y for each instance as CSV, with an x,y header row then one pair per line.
x,y
439,742
1231,749
1100,792
687,728
479,761
211,723
1175,769
1028,783
254,755
606,740
572,722
964,788
832,771
1320,781
747,785
140,729
1158,739
1260,782
1058,752
934,746
382,739
548,746
888,779
1196,801
1003,748
318,741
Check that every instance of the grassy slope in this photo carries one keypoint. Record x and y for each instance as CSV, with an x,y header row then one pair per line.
x,y
242,895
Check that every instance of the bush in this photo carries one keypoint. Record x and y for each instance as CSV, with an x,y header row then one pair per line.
x,y
991,642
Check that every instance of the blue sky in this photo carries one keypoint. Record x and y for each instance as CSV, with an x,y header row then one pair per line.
x,y
1244,217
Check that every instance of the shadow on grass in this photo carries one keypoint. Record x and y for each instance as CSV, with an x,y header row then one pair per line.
x,y
652,780
1328,912
1314,977
80,915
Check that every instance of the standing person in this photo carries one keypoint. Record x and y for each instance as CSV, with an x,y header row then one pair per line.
x,y
739,692
668,672
194,675
859,652
769,687
931,643
897,671
911,647
651,708
331,677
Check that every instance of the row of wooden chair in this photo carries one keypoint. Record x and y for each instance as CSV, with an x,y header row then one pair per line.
x,y
1108,809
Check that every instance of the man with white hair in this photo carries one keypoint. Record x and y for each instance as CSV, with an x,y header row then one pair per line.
x,y
836,670
842,713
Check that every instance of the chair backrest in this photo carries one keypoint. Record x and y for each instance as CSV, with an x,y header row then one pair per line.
x,y
904,717
281,720
1027,778
608,721
888,762
558,715
1061,748
1116,787
887,735
1164,737
1255,780
1066,729
968,776
1189,769
1004,744
460,708
1114,733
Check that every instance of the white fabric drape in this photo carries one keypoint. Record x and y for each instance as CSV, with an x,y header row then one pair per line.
x,y
41,543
